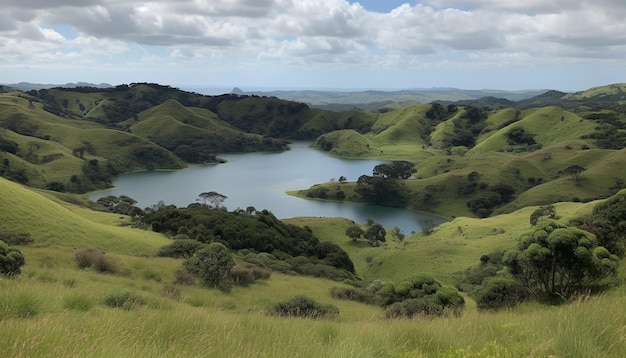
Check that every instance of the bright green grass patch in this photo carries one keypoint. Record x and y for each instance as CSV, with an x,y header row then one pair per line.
x,y
57,225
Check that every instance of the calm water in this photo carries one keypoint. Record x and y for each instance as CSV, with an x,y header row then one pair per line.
x,y
261,180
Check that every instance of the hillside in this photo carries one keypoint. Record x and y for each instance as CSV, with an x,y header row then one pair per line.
x,y
527,150
490,171
76,139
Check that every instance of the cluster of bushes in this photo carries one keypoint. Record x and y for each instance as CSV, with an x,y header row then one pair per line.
x,y
123,204
553,261
303,306
494,196
97,260
420,295
466,128
211,264
265,238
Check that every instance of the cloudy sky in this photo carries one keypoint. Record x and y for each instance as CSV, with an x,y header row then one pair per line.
x,y
327,44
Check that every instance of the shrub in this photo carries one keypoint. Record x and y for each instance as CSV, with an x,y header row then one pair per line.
x,y
212,266
180,248
11,238
96,259
124,299
499,292
414,307
11,260
352,294
303,306
245,275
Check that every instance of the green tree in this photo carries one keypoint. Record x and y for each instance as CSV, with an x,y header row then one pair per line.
x,y
212,199
354,232
608,223
397,233
375,233
212,266
11,260
556,261
575,171
394,170
542,212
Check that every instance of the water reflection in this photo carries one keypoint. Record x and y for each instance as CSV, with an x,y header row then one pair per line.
x,y
262,180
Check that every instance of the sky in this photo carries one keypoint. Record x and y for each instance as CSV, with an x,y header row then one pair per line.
x,y
568,45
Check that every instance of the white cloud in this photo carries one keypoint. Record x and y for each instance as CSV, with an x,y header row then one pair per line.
x,y
310,33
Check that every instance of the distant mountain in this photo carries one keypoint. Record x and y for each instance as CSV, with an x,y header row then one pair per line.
x,y
609,97
376,99
27,86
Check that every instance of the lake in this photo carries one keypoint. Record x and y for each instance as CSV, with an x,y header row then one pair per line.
x,y
261,180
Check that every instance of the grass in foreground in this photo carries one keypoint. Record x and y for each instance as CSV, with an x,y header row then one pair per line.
x,y
61,310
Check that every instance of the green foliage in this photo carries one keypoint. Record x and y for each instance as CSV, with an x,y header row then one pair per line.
x,y
11,260
303,306
180,248
545,211
354,232
575,171
121,205
212,265
556,261
12,238
375,234
499,292
260,232
518,136
380,191
608,223
420,295
394,170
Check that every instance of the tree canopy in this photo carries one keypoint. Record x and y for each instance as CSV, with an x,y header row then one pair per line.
x,y
11,260
556,261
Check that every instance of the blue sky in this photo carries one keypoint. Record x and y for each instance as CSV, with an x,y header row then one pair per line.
x,y
567,45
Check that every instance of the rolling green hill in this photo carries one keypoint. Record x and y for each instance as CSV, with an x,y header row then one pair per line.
x,y
77,139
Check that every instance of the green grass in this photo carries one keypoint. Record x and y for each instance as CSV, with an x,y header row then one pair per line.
x,y
59,226
39,318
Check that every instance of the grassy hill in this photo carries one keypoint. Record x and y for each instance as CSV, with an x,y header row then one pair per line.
x,y
462,155
53,299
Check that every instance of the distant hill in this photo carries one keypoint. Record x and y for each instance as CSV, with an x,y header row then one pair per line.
x,y
376,99
27,86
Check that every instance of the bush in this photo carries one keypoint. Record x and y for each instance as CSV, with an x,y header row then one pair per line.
x,y
11,238
352,294
96,259
180,248
303,306
212,265
499,292
246,275
11,260
124,299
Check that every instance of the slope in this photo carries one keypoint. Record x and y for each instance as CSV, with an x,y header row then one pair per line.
x,y
51,224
